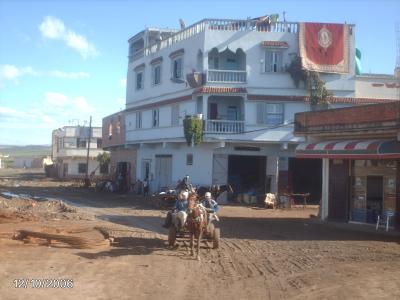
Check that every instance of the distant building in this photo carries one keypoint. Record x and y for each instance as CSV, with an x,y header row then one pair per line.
x,y
69,151
27,162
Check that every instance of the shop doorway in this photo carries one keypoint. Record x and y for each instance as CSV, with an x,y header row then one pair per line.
x,y
374,197
305,176
247,174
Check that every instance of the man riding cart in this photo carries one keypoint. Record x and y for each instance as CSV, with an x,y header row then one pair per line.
x,y
178,214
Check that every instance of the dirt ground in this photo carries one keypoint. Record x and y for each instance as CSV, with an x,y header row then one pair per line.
x,y
264,254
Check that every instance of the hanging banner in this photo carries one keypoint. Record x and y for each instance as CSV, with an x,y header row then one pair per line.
x,y
324,47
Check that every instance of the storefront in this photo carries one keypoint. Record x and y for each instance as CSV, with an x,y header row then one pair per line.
x,y
361,178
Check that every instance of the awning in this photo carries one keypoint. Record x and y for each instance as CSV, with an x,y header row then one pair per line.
x,y
351,149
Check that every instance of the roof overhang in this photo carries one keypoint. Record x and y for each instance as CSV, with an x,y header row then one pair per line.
x,y
350,149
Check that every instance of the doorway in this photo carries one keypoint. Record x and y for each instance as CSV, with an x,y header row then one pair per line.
x,y
163,178
374,197
247,174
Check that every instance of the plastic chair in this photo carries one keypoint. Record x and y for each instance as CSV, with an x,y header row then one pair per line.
x,y
385,219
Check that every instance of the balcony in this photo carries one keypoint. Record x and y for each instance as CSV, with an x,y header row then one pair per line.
x,y
223,126
226,76
215,24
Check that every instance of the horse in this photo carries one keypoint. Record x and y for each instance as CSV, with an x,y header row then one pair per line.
x,y
196,222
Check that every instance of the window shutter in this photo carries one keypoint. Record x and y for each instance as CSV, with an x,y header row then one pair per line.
x,y
268,61
279,61
260,113
175,115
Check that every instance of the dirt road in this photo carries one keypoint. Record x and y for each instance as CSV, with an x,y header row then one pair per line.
x,y
264,254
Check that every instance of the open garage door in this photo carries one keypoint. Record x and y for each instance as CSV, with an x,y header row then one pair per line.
x,y
220,169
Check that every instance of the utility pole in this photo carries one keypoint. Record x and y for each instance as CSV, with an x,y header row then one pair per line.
x,y
87,181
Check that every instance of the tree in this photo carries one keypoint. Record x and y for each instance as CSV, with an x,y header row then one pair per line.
x,y
319,95
193,130
103,160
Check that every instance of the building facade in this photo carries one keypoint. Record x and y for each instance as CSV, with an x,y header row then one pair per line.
x,y
360,151
69,151
233,75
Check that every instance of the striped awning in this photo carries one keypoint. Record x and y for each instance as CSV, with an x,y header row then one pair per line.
x,y
352,149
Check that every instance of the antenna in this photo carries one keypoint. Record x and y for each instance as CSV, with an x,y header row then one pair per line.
x,y
398,45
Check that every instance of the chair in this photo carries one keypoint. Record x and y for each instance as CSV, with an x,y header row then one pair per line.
x,y
384,219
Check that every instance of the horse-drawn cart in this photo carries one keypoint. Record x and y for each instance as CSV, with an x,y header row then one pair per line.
x,y
209,234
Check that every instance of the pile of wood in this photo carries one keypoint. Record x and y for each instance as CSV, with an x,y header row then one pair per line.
x,y
54,239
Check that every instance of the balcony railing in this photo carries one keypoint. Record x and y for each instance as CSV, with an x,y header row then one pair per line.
x,y
218,24
231,76
223,126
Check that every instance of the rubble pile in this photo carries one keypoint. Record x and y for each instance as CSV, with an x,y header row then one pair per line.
x,y
28,207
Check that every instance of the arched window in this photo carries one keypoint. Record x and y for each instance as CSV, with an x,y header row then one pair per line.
x,y
110,129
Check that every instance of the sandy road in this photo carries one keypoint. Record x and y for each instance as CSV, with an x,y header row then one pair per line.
x,y
264,254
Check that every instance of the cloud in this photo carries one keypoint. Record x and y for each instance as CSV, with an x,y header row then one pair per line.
x,y
10,72
11,113
53,28
56,99
82,105
120,101
122,82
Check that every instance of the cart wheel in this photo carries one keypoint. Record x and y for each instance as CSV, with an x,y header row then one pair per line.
x,y
210,231
171,235
216,237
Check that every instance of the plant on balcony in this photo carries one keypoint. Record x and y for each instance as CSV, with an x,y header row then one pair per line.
x,y
193,130
319,95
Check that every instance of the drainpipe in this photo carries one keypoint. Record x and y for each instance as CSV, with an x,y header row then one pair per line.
x,y
325,189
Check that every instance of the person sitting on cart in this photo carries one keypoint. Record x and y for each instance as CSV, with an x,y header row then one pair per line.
x,y
210,205
179,212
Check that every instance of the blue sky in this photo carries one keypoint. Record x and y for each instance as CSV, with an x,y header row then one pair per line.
x,y
62,61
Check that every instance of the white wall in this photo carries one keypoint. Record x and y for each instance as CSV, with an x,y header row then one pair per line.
x,y
199,172
73,166
191,45
365,89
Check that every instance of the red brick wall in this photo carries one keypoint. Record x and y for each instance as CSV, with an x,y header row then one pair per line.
x,y
350,115
117,137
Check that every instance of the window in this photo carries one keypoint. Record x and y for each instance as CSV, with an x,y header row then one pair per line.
x,y
274,113
81,168
156,74
80,143
138,119
110,129
199,105
99,141
155,119
270,113
139,80
189,159
119,125
273,61
175,114
177,68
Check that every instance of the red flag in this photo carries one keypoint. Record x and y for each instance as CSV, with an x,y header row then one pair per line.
x,y
324,47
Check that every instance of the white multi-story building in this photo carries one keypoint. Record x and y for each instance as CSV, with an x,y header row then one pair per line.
x,y
69,151
233,74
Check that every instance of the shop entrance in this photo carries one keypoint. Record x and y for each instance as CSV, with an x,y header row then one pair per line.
x,y
247,174
374,197
305,176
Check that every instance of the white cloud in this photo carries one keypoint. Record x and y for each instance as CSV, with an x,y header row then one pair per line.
x,y
122,82
56,99
10,72
11,113
71,75
82,105
54,28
